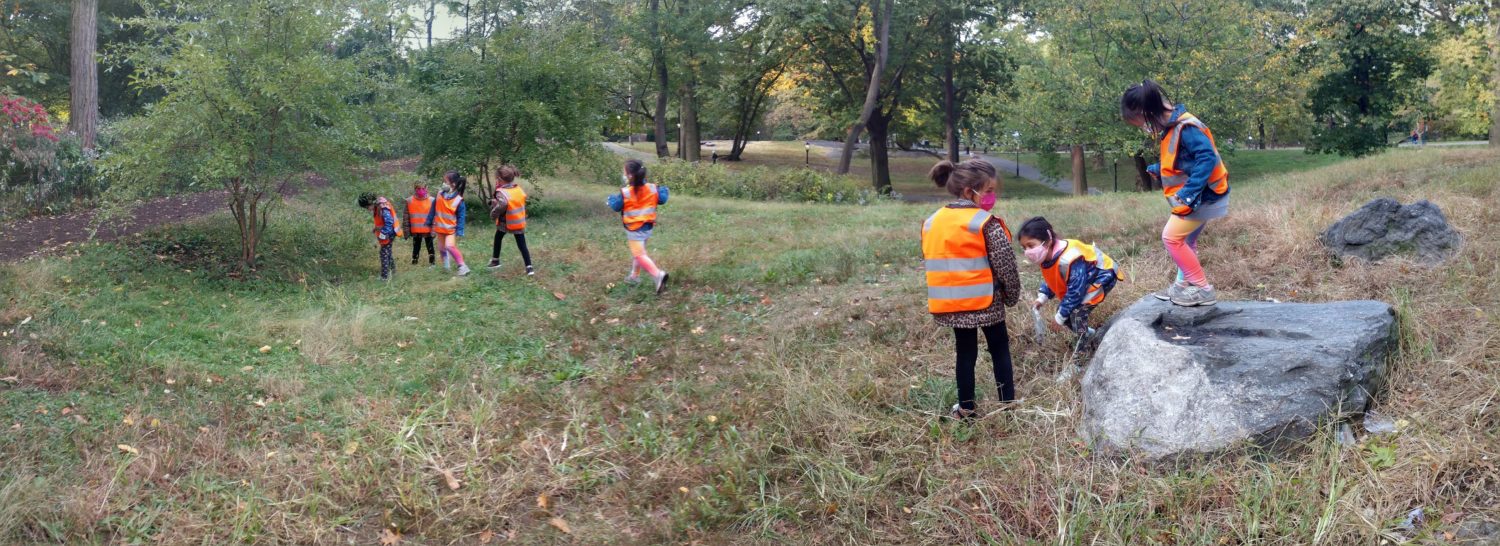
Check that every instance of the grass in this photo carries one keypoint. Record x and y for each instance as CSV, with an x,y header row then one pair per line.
x,y
1245,166
784,390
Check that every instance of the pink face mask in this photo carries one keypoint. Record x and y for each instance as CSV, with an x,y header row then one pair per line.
x,y
1037,254
421,193
988,201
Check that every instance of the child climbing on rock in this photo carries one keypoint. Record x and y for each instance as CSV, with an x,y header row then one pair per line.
x,y
1193,178
447,220
418,228
387,229
971,275
508,207
1075,273
636,202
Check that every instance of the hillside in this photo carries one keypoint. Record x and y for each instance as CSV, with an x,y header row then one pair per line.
x,y
783,390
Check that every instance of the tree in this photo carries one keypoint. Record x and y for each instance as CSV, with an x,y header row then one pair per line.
x,y
254,98
1378,63
83,111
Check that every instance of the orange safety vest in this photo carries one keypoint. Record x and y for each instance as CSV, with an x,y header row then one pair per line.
x,y
445,221
515,209
418,209
1056,274
1173,178
640,206
380,222
957,261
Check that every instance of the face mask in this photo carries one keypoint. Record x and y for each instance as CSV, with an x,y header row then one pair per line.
x,y
1037,254
987,202
421,193
625,179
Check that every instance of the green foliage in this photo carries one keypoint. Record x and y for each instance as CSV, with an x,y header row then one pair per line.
x,y
1462,85
760,183
1377,62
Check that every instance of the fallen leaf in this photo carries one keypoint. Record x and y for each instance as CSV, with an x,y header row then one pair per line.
x,y
389,537
247,368
905,510
25,321
270,454
265,349
260,403
486,537
171,381
684,490
697,330
448,477
402,344
544,502
128,421
67,410
559,295
351,448
127,449
560,525
713,419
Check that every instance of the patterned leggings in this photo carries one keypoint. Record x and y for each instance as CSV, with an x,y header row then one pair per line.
x,y
1181,239
387,262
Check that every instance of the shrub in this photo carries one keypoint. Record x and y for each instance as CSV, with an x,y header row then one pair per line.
x,y
761,183
40,170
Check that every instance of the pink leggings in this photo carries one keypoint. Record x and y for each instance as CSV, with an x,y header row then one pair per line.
x,y
449,245
1181,239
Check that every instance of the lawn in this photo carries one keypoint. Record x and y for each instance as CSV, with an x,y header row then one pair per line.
x,y
784,390
1245,166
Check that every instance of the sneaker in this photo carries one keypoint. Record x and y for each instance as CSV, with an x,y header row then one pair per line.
x,y
1171,291
1194,296
661,282
530,271
958,413
494,264
463,270
633,279
414,261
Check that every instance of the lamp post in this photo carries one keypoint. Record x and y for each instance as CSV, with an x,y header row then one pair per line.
x,y
806,153
1017,135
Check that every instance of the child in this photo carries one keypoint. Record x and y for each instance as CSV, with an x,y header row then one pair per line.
x,y
1076,274
971,275
509,209
418,228
447,219
386,230
636,203
1194,180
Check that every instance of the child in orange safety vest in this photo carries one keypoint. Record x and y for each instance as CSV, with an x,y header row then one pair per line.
x,y
971,275
636,202
418,207
448,218
508,207
387,229
1075,273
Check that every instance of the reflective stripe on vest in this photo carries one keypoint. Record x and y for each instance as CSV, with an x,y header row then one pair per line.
x,y
515,208
1056,275
639,206
1172,178
445,220
417,209
958,273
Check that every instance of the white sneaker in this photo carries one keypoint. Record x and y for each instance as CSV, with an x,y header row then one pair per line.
x,y
1172,290
1194,296
661,282
463,270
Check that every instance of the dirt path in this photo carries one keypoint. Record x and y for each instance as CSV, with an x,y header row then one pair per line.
x,y
39,234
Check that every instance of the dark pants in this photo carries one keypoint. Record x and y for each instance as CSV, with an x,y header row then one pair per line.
x,y
967,340
387,262
520,242
416,247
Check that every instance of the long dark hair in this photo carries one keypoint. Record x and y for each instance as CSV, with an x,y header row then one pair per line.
x,y
458,181
1145,101
959,177
1038,228
636,171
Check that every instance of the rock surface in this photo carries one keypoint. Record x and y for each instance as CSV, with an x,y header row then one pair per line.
x,y
1384,227
1170,381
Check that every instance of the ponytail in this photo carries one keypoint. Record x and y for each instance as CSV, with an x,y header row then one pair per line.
x,y
636,172
1145,101
460,184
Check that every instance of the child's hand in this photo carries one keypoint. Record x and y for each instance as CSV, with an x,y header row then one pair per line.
x,y
1178,207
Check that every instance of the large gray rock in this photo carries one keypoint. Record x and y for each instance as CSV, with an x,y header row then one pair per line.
x,y
1169,381
1384,227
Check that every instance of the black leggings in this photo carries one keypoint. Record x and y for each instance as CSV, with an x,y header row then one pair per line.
x,y
968,353
520,242
416,247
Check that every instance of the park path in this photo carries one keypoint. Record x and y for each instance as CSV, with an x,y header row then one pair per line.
x,y
39,234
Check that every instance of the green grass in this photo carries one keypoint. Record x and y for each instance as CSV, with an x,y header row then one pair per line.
x,y
783,390
1245,166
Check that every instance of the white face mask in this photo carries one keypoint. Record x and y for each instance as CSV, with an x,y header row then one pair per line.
x,y
625,179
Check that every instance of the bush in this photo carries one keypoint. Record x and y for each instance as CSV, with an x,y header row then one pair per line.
x,y
761,183
40,170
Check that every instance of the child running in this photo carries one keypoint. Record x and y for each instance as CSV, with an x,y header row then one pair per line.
x,y
636,203
509,209
971,275
1076,274
418,228
447,220
386,230
1193,178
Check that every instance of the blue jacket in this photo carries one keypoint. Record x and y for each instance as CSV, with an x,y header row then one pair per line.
x,y
1195,154
458,228
1081,276
616,201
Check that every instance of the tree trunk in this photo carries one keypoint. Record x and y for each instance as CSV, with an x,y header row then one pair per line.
x,y
1143,180
431,16
83,88
1260,126
690,141
659,59
880,157
950,94
1080,174
872,91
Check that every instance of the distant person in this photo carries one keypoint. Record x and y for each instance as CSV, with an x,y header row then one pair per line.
x,y
447,219
971,275
386,230
1194,180
1076,274
418,228
508,207
636,202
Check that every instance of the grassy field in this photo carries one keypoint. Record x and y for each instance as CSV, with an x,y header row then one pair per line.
x,y
785,390
1244,166
908,174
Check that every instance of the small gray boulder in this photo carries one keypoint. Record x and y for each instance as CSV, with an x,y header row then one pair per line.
x,y
1384,227
1171,381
